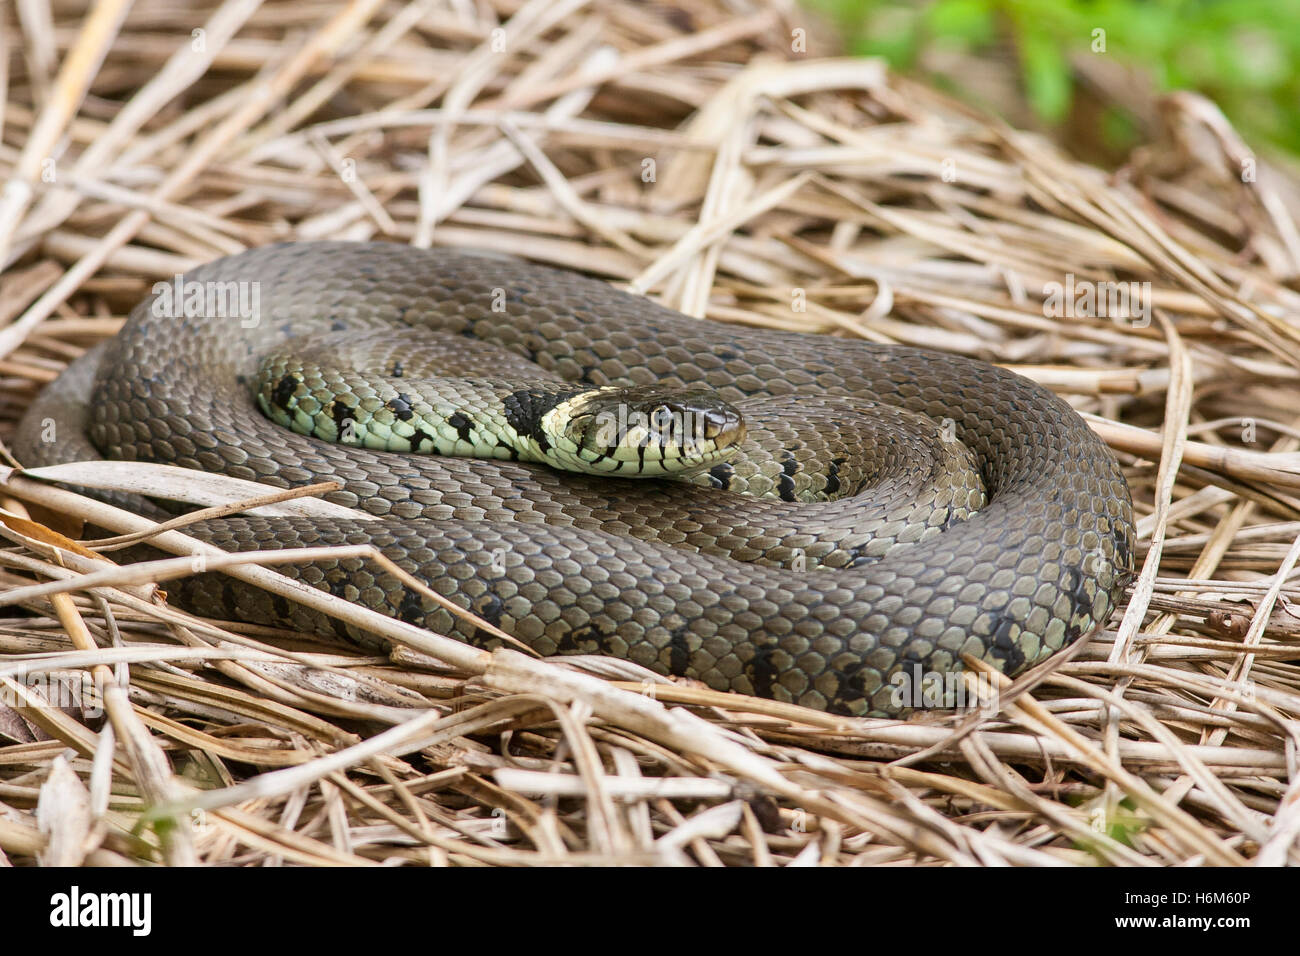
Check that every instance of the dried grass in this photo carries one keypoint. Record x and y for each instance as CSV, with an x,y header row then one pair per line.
x,y
686,151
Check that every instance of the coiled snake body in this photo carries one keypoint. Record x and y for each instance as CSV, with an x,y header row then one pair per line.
x,y
817,603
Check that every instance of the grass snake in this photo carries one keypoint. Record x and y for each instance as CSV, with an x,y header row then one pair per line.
x,y
820,601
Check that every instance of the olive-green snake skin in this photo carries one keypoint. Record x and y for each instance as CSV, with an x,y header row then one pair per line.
x,y
820,603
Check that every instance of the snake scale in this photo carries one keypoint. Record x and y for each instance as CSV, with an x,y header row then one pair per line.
x,y
820,603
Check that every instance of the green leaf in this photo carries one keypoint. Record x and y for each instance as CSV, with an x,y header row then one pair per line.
x,y
969,20
1047,76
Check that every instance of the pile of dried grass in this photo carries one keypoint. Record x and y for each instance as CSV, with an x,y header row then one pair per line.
x,y
701,153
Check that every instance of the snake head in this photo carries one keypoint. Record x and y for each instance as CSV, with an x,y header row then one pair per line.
x,y
647,431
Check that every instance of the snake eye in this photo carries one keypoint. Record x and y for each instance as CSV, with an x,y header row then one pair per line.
x,y
589,430
576,428
662,420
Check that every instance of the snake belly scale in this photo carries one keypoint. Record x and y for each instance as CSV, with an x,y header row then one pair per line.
x,y
686,579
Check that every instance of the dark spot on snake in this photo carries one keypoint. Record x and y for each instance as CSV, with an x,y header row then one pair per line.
x,y
401,407
280,605
833,475
1070,578
228,592
1072,632
1123,554
858,556
524,408
284,390
411,609
838,706
342,415
461,423
1082,592
851,686
1003,646
789,468
761,671
679,652
580,640
336,582
720,476
338,325
725,354
397,371
420,437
